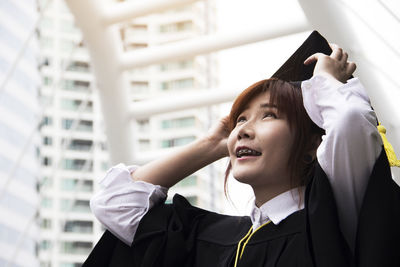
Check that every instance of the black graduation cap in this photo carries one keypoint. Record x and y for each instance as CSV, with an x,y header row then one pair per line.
x,y
294,69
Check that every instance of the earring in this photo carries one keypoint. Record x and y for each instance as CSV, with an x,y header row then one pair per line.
x,y
307,158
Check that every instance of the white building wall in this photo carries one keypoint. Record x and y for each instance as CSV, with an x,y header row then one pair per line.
x,y
70,171
19,119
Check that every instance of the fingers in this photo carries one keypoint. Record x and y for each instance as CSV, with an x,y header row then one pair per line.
x,y
313,58
350,68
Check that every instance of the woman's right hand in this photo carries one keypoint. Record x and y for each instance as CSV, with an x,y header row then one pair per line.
x,y
335,65
218,136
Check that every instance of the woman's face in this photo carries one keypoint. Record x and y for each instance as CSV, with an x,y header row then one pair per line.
x,y
260,144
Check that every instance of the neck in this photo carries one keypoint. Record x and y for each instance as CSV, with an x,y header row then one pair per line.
x,y
264,195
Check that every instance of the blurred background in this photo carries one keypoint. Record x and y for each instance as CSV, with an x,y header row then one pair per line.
x,y
85,85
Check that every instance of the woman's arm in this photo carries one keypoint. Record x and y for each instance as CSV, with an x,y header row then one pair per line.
x,y
169,170
124,201
352,143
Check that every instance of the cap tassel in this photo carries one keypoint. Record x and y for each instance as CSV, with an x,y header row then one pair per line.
x,y
393,161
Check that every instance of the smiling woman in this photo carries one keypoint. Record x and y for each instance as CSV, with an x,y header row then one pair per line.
x,y
284,122
311,153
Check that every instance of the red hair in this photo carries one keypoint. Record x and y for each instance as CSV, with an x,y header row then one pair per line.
x,y
289,101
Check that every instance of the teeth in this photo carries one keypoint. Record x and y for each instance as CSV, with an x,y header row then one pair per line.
x,y
247,151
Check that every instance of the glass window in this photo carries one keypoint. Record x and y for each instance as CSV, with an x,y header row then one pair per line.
x,y
144,144
177,65
76,247
75,205
178,84
188,181
181,26
46,161
75,104
46,202
79,66
83,125
180,141
75,85
47,141
45,244
143,125
45,223
80,145
70,184
77,164
178,123
74,226
47,120
48,81
139,87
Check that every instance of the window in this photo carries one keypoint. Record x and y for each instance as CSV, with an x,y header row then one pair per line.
x,y
177,65
144,144
74,226
45,244
75,104
77,164
46,202
178,84
178,123
47,120
80,185
45,223
47,141
46,161
180,141
79,66
66,123
76,247
143,125
75,205
80,145
75,85
48,81
139,87
188,181
83,125
176,27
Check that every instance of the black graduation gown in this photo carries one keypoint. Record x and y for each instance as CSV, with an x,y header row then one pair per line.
x,y
179,234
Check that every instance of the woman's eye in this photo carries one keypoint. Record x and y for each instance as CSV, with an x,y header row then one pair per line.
x,y
270,115
241,119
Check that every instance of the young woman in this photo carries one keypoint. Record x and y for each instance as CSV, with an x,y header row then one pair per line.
x,y
308,153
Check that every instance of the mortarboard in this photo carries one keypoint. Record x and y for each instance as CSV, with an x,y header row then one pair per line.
x,y
294,71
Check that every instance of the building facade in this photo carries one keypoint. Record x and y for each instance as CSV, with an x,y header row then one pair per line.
x,y
73,144
19,120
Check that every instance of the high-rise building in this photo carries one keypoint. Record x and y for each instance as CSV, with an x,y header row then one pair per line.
x,y
74,151
19,120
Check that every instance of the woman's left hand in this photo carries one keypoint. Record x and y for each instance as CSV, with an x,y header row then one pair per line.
x,y
335,65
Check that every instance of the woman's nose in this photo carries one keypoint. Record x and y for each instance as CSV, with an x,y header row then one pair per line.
x,y
246,131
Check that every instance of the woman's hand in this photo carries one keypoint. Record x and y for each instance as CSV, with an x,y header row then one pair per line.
x,y
218,135
334,65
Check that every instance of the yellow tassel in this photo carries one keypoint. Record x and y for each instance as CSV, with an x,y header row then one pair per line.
x,y
393,161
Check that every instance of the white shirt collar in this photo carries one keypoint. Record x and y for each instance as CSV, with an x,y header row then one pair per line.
x,y
278,208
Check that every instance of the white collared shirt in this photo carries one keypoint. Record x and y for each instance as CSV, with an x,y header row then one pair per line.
x,y
347,155
278,208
